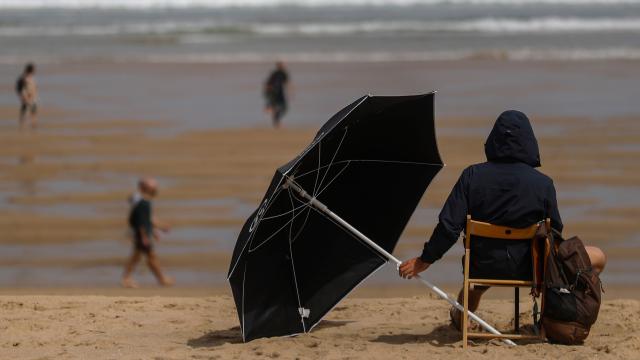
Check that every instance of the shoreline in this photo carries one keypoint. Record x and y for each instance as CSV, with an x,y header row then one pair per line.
x,y
196,96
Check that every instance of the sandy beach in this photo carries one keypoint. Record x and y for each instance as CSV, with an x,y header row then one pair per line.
x,y
64,240
175,90
73,327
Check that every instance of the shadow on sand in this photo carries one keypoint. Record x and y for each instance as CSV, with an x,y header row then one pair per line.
x,y
445,335
327,324
234,336
442,335
217,338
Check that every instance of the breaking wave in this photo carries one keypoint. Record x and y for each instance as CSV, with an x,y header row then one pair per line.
x,y
150,4
496,26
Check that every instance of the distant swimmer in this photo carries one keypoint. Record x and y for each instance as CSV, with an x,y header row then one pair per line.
x,y
28,94
145,228
276,91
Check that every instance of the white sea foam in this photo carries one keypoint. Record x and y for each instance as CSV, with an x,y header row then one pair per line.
x,y
485,25
147,4
141,28
522,54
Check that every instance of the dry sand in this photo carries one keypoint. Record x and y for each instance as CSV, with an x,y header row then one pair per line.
x,y
101,327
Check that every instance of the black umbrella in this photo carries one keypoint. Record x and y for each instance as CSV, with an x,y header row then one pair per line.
x,y
295,259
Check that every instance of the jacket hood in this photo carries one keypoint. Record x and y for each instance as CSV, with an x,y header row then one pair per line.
x,y
512,140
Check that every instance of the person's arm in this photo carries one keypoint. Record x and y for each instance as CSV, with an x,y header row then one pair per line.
x,y
144,236
268,84
451,222
34,91
552,208
24,95
29,91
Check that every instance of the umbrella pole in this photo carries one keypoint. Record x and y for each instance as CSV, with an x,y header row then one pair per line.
x,y
322,207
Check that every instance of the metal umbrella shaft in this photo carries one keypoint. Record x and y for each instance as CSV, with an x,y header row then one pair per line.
x,y
323,208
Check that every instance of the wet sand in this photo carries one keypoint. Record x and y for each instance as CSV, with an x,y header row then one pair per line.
x,y
64,187
70,327
223,95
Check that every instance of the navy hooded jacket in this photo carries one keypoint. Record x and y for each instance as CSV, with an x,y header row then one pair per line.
x,y
506,190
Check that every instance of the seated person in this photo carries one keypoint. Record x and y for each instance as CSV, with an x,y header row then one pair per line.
x,y
505,190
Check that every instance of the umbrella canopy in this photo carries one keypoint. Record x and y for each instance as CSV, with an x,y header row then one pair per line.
x,y
370,163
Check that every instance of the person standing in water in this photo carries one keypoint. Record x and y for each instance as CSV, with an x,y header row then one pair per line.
x,y
27,92
276,90
144,227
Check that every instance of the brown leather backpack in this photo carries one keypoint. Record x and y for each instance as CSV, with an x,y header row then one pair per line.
x,y
572,292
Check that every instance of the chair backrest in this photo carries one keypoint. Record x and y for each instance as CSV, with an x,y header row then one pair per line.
x,y
539,251
484,229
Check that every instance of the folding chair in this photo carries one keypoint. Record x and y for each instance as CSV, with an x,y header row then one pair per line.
x,y
538,245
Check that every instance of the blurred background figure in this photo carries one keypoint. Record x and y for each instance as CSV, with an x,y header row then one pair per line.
x,y
28,94
276,91
144,227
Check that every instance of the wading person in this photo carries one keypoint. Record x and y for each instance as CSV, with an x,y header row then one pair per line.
x,y
276,90
144,227
27,92
505,190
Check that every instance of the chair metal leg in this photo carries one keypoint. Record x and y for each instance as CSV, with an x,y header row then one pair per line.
x,y
465,294
516,310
